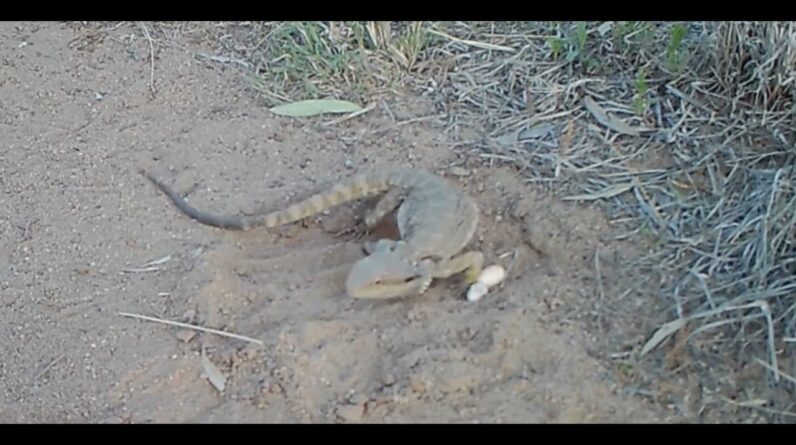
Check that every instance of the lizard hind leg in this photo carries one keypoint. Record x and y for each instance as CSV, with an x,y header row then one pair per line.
x,y
386,204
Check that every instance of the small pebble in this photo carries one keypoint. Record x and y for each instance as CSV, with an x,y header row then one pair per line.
x,y
351,413
458,171
185,335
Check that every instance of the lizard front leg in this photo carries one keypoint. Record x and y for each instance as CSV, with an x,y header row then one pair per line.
x,y
471,263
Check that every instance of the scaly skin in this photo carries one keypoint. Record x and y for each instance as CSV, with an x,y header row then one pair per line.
x,y
436,221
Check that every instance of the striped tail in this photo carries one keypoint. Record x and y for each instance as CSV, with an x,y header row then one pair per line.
x,y
353,188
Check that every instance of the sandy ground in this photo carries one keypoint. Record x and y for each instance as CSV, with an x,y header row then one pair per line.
x,y
78,224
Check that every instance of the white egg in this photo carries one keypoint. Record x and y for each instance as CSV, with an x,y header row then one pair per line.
x,y
477,291
492,275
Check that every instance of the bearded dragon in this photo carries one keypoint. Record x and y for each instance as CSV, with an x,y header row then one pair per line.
x,y
436,221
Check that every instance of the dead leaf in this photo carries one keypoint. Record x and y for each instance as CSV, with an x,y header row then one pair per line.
x,y
662,334
535,132
678,355
607,192
566,138
214,375
611,122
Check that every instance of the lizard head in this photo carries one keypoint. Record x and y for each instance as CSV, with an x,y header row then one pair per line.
x,y
386,274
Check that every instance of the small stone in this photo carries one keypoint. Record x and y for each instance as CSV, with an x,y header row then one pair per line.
x,y
275,388
358,399
458,171
351,413
185,335
416,384
251,352
189,315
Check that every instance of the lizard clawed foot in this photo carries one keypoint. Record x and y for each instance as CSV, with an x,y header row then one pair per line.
x,y
359,231
345,232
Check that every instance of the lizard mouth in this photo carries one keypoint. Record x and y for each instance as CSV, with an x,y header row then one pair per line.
x,y
391,289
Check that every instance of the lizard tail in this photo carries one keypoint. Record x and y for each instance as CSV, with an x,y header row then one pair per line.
x,y
353,188
210,219
349,190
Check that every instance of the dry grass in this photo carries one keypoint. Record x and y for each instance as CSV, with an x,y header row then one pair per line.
x,y
689,144
682,132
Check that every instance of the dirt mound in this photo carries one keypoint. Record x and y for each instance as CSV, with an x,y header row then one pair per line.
x,y
82,223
